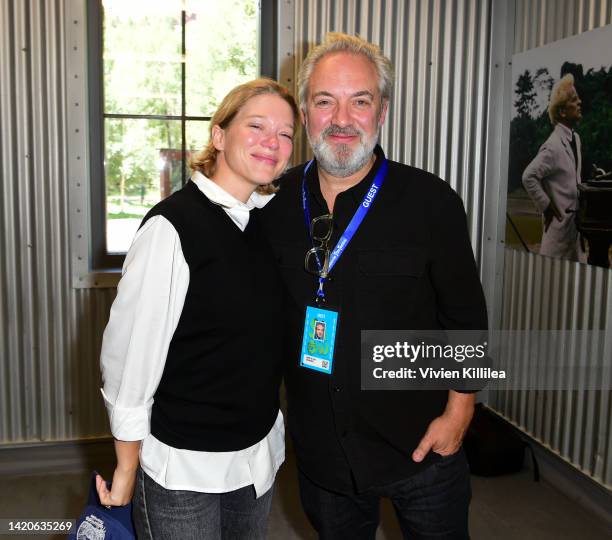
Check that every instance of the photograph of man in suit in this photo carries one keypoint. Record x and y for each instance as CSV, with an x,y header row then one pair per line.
x,y
552,178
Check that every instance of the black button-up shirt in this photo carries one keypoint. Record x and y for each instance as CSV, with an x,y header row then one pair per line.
x,y
409,266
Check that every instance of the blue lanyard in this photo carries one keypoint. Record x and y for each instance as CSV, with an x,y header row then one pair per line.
x,y
353,225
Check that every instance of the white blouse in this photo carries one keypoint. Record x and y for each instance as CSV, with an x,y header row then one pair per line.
x,y
143,318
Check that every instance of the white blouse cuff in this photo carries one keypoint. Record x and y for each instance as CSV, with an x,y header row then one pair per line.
x,y
128,423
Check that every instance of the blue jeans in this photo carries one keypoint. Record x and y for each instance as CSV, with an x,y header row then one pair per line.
x,y
431,504
167,514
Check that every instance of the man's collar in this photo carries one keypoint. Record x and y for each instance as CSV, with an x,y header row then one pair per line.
x,y
563,131
358,191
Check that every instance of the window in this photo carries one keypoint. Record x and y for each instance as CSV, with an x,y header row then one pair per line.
x,y
158,69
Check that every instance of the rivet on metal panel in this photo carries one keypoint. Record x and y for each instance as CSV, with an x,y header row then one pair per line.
x,y
76,76
78,184
79,236
76,22
79,158
78,210
75,48
288,27
76,130
76,104
80,258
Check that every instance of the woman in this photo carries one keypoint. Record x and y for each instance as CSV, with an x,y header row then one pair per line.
x,y
190,362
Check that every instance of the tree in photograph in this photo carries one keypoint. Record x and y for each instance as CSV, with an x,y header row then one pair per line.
x,y
525,101
521,130
543,82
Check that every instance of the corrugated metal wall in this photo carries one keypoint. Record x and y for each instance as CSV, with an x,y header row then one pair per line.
x,y
539,22
50,333
547,293
440,50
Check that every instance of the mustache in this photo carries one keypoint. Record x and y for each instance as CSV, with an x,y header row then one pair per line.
x,y
337,130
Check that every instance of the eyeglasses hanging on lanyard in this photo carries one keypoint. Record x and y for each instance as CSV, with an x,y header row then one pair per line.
x,y
320,260
317,259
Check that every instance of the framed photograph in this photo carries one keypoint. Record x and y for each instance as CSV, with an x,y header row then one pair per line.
x,y
560,155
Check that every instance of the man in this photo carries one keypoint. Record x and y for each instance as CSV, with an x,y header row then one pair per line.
x,y
409,265
552,178
319,331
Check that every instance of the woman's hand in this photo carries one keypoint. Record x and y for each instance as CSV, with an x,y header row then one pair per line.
x,y
124,477
121,490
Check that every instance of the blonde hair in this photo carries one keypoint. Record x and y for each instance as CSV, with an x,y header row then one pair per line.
x,y
205,161
559,97
336,42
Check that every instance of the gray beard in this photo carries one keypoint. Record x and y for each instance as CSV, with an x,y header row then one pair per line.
x,y
343,161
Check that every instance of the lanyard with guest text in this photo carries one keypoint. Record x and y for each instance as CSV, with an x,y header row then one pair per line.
x,y
353,225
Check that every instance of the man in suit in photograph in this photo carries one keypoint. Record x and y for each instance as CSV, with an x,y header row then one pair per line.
x,y
552,178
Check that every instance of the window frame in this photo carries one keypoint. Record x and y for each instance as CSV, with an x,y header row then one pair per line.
x,y
99,259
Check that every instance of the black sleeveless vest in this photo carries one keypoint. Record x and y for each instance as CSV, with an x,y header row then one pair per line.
x,y
219,388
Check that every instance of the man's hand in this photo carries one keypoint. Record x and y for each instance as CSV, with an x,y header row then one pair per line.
x,y
551,212
445,433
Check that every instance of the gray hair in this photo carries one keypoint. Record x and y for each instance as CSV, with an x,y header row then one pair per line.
x,y
336,42
559,96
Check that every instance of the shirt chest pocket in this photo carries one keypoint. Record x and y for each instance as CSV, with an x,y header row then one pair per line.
x,y
391,286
